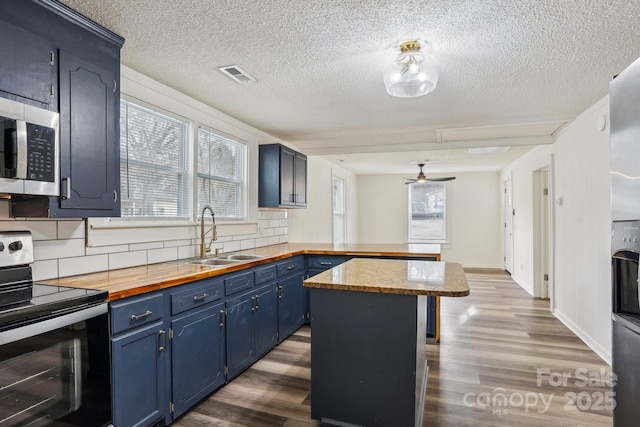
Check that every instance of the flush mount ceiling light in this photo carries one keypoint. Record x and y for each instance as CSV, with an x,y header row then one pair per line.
x,y
412,73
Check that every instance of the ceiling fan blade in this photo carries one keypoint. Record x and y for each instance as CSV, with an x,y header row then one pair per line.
x,y
410,182
448,178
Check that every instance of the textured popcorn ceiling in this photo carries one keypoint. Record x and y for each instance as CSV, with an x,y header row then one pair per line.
x,y
319,66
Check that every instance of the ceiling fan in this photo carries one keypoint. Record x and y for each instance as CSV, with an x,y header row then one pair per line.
x,y
421,178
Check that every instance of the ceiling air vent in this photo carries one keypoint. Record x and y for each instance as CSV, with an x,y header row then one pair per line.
x,y
237,74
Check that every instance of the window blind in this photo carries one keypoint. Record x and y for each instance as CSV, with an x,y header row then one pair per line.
x,y
221,174
154,164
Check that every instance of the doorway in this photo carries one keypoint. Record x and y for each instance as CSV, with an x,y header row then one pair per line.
x,y
542,233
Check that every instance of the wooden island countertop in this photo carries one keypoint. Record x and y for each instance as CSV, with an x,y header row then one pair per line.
x,y
127,282
391,276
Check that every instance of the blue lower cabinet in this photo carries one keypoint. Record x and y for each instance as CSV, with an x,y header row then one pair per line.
x,y
252,327
198,356
139,359
291,308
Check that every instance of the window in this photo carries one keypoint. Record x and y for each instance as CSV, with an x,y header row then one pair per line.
x,y
427,211
338,211
154,164
221,174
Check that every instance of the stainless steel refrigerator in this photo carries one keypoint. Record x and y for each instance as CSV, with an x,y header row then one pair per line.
x,y
625,243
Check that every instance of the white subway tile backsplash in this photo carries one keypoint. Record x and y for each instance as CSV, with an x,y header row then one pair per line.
x,y
72,229
162,255
40,230
53,249
174,243
43,270
232,246
82,265
145,246
247,244
97,250
188,251
60,245
127,259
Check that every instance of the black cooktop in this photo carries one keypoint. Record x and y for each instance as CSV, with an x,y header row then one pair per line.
x,y
49,301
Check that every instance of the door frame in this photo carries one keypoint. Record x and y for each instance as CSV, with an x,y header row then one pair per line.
x,y
507,230
543,234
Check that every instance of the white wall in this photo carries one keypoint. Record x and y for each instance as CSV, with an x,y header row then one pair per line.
x,y
314,224
581,296
583,230
473,221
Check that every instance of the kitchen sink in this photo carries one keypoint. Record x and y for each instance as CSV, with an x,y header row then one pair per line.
x,y
243,257
214,262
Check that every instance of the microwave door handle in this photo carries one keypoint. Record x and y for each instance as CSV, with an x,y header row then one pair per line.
x,y
21,138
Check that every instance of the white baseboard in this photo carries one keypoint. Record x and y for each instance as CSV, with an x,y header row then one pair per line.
x,y
604,353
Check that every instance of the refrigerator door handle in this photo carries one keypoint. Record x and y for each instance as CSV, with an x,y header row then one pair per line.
x,y
626,323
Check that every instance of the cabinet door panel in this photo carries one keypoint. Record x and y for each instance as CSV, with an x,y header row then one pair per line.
x,y
89,149
197,357
287,188
25,69
300,169
266,319
240,350
290,310
138,377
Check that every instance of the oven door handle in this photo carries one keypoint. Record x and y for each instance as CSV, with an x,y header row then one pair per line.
x,y
52,324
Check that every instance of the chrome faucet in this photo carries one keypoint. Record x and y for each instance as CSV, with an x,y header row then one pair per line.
x,y
214,234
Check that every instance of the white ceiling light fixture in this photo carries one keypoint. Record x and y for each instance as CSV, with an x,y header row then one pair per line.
x,y
412,73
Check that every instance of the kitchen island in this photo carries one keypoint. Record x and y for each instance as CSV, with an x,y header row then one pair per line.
x,y
368,362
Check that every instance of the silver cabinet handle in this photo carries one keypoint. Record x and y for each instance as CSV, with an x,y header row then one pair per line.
x,y
325,263
280,292
257,302
141,316
253,304
201,297
291,267
115,196
163,337
67,196
223,317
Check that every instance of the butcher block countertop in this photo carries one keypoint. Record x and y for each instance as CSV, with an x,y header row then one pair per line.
x,y
392,276
133,281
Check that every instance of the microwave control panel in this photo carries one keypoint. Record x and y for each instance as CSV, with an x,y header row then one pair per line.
x,y
41,149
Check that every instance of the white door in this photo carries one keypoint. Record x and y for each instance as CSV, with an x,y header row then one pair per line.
x,y
508,227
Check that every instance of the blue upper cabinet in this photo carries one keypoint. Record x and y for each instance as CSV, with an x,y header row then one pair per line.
x,y
282,177
62,61
28,67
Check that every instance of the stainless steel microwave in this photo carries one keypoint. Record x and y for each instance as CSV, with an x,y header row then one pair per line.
x,y
29,149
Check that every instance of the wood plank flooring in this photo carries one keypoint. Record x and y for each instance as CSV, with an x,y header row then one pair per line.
x,y
503,360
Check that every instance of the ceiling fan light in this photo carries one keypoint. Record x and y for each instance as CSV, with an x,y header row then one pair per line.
x,y
411,73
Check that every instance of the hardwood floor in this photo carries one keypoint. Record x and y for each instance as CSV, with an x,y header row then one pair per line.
x,y
503,360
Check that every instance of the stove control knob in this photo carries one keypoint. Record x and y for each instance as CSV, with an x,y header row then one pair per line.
x,y
1,246
15,246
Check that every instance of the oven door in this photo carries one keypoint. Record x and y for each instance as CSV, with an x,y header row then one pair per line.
x,y
56,372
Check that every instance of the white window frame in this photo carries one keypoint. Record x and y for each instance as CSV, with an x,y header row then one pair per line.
x,y
335,214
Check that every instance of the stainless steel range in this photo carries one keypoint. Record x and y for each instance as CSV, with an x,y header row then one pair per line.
x,y
54,346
